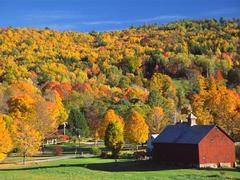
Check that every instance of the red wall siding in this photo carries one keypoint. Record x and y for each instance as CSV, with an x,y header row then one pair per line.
x,y
216,147
176,153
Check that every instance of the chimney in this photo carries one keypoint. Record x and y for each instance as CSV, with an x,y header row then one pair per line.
x,y
191,119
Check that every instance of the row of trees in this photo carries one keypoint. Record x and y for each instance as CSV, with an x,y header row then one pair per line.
x,y
113,128
30,117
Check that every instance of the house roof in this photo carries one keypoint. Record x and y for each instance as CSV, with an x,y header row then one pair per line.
x,y
182,133
154,135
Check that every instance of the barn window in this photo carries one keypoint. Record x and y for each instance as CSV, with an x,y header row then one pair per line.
x,y
211,140
204,157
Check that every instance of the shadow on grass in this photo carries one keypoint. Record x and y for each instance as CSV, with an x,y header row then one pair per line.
x,y
122,166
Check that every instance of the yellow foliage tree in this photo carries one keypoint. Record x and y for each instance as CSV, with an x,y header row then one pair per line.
x,y
27,139
218,105
203,115
5,139
25,131
136,128
157,120
110,116
164,85
56,108
47,121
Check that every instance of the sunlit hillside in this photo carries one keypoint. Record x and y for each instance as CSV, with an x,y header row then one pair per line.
x,y
157,72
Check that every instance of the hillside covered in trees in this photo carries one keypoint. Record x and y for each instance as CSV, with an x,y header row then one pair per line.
x,y
49,77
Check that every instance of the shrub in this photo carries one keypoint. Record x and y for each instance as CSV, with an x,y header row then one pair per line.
x,y
126,155
63,138
57,150
105,155
140,155
96,151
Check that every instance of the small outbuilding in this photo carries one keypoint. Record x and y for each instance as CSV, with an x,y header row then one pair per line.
x,y
150,141
187,143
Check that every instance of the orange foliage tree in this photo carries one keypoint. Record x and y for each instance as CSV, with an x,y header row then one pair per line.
x,y
110,116
218,105
48,113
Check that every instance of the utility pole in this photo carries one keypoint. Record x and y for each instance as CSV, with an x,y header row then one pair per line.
x,y
79,138
64,128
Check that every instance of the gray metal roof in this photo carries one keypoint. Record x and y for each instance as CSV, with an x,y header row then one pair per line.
x,y
181,133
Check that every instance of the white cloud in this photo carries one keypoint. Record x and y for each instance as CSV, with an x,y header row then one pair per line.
x,y
102,22
51,20
158,18
151,19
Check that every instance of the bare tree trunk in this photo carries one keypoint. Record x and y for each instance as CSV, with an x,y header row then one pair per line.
x,y
24,159
207,72
43,148
115,155
75,150
79,146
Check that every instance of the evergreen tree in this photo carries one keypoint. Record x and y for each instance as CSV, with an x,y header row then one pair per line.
x,y
114,138
77,123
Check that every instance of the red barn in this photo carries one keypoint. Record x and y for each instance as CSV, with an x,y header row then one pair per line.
x,y
194,145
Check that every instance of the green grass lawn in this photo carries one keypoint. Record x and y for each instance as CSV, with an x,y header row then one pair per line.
x,y
96,168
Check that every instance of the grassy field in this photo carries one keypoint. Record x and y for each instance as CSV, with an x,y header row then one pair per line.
x,y
95,168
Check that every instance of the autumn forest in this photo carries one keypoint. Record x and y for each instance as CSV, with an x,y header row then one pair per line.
x,y
144,77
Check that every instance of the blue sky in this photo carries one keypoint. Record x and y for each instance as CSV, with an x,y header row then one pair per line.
x,y
105,15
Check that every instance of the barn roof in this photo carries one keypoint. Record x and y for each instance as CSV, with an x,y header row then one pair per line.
x,y
181,133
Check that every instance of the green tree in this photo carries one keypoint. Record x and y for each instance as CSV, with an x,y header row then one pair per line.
x,y
77,123
114,138
234,77
114,75
207,65
124,82
131,64
99,41
155,98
